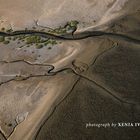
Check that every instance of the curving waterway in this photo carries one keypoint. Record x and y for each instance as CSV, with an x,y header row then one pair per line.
x,y
76,36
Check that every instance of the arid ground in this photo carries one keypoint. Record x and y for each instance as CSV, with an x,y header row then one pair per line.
x,y
69,70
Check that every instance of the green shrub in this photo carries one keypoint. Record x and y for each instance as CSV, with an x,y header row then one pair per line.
x,y
50,41
49,48
14,38
3,29
73,23
6,42
9,38
33,39
70,26
9,30
39,46
2,39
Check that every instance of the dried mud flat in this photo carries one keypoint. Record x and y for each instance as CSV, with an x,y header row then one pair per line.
x,y
108,92
52,85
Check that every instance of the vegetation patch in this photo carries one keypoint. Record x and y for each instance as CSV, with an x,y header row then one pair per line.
x,y
70,27
33,39
6,42
9,30
2,38
2,29
50,41
45,43
36,40
39,46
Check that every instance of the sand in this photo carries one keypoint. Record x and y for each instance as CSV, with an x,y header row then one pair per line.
x,y
96,13
32,100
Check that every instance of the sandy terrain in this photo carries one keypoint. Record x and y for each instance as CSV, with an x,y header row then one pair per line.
x,y
13,73
56,13
55,92
95,79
